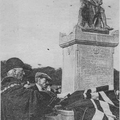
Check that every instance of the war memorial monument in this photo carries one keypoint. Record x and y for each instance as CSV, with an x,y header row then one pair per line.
x,y
88,51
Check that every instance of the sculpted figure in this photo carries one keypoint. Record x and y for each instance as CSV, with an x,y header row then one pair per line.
x,y
92,15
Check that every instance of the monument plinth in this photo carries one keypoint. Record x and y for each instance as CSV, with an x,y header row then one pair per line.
x,y
87,59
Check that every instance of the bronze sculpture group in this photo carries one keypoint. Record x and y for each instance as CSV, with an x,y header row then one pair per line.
x,y
92,15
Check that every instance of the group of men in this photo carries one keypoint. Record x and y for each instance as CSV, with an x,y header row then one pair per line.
x,y
24,101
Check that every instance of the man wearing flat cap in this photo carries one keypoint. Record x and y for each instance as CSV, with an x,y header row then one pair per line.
x,y
17,102
41,81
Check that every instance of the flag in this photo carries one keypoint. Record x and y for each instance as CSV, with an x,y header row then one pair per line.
x,y
98,103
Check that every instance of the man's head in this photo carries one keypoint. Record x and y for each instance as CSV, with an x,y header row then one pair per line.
x,y
16,73
42,79
14,67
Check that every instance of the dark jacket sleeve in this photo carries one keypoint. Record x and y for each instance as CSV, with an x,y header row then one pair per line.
x,y
37,105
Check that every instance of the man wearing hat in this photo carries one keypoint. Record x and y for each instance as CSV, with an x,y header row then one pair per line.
x,y
15,72
42,80
17,102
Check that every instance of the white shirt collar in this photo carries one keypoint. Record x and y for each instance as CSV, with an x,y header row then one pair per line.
x,y
39,87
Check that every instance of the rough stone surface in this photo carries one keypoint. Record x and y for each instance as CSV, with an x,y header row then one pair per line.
x,y
87,60
94,66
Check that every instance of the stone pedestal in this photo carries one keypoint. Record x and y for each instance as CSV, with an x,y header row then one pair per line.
x,y
62,115
87,59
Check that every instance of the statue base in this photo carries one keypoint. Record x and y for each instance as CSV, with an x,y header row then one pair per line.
x,y
102,31
87,59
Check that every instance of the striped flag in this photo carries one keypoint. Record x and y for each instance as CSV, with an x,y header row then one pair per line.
x,y
104,110
97,104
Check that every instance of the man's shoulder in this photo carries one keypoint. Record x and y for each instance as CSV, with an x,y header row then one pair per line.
x,y
33,87
7,79
9,82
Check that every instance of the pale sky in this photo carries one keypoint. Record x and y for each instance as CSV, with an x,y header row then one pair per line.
x,y
30,28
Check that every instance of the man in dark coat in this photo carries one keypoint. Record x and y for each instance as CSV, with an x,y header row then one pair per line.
x,y
17,102
42,81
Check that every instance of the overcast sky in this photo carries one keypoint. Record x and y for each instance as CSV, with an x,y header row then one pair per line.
x,y
30,28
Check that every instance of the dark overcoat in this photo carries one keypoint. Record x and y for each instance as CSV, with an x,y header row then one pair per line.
x,y
19,103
